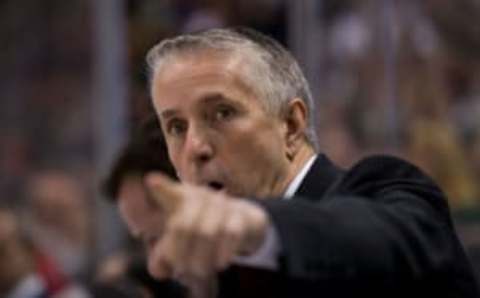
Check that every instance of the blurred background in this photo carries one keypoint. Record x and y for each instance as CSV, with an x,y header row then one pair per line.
x,y
389,76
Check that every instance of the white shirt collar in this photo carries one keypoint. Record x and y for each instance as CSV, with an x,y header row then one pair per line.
x,y
295,184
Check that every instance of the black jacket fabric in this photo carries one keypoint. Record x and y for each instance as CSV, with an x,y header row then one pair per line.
x,y
380,229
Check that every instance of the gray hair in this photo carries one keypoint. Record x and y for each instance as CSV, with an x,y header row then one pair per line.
x,y
273,72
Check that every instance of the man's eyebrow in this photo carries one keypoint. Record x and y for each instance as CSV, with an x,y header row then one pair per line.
x,y
208,98
168,113
213,97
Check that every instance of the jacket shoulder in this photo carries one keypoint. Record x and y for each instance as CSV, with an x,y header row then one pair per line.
x,y
379,169
378,176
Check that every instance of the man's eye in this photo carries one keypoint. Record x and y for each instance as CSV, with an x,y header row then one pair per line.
x,y
176,128
224,113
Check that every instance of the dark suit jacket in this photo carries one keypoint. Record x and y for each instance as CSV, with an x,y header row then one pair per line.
x,y
380,229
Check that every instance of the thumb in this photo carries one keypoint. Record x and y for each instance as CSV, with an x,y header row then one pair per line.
x,y
165,192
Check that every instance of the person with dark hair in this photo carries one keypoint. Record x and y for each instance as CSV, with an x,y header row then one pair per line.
x,y
144,153
255,190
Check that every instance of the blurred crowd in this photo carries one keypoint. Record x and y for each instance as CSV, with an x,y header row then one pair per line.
x,y
427,71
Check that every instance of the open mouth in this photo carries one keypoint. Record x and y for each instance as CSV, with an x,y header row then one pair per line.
x,y
215,185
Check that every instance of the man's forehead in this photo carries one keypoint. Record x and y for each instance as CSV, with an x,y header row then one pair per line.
x,y
207,79
191,63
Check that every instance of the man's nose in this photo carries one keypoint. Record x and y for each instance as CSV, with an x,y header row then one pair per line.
x,y
199,146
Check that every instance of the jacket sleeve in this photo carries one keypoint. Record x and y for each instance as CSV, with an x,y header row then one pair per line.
x,y
385,221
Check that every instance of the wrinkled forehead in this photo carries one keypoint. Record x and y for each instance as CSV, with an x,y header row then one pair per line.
x,y
173,61
234,66
193,49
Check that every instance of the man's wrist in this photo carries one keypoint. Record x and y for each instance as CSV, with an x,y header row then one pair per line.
x,y
259,223
266,254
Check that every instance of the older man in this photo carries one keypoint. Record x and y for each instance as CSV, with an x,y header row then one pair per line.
x,y
236,112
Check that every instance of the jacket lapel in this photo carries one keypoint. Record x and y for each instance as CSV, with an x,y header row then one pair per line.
x,y
319,179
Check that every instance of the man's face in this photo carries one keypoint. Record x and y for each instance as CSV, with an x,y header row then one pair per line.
x,y
57,203
217,131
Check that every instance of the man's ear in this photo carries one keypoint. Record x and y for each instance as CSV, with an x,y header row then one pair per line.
x,y
295,119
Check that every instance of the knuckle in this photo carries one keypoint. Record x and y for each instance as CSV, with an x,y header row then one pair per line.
x,y
258,216
234,229
179,228
206,233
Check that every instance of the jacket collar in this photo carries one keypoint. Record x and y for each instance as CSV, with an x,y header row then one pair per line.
x,y
319,178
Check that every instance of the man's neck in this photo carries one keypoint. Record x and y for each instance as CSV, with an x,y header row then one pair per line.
x,y
298,163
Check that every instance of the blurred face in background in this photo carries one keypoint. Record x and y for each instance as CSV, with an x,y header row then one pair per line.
x,y
144,220
57,202
59,219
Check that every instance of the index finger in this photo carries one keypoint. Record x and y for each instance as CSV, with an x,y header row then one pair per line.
x,y
165,192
